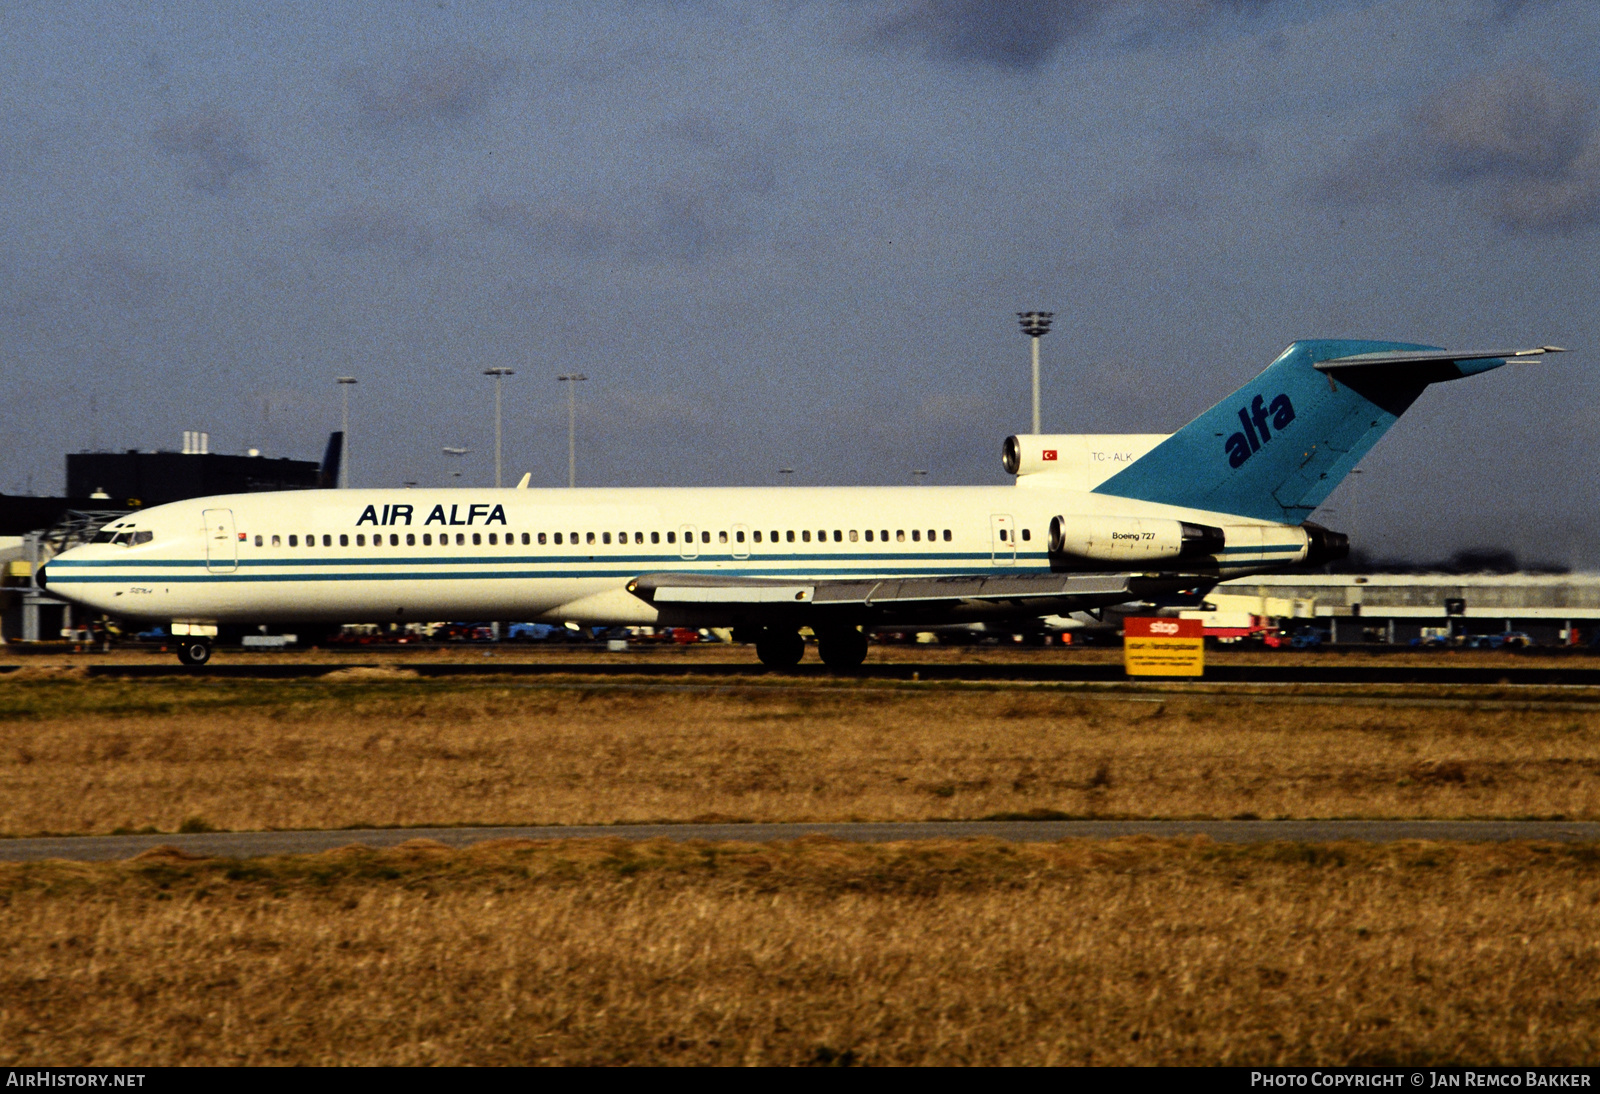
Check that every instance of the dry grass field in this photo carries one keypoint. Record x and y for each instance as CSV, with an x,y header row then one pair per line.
x,y
1136,951
376,748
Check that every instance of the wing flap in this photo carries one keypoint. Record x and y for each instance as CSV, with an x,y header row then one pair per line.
x,y
711,590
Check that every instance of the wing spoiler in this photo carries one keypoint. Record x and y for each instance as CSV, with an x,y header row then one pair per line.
x,y
1431,356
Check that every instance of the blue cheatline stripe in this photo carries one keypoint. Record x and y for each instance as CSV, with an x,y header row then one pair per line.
x,y
547,560
502,575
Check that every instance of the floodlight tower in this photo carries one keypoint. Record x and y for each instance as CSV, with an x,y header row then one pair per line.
x,y
499,375
572,379
1035,324
345,383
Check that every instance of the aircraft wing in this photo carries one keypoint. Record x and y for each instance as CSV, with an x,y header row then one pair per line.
x,y
1430,356
888,599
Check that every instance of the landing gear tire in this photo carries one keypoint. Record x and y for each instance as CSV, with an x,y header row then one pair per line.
x,y
780,649
194,652
842,650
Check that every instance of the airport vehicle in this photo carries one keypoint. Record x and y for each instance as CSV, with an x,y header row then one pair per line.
x,y
1092,521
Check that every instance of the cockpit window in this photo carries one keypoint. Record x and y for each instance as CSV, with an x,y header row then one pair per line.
x,y
102,537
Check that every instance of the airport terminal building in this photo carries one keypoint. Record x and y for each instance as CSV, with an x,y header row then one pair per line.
x,y
1552,609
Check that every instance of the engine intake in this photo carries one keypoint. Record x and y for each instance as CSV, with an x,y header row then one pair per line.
x,y
1132,539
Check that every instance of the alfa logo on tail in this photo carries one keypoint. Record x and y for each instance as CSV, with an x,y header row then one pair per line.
x,y
1254,418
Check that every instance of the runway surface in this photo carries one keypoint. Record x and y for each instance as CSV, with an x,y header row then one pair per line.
x,y
257,844
1551,673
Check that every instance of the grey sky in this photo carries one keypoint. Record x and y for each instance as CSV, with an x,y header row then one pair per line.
x,y
795,235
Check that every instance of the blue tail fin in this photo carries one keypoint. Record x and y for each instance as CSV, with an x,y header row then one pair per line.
x,y
1278,446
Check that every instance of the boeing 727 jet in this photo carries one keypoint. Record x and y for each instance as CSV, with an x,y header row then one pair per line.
x,y
1091,521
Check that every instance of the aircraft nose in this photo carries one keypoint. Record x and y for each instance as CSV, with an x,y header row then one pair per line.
x,y
39,577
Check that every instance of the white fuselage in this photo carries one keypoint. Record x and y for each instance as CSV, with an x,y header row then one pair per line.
x,y
344,556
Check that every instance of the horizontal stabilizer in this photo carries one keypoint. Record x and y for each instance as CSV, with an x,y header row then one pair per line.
x,y
1430,356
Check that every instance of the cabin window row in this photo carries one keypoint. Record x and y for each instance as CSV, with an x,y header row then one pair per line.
x,y
543,538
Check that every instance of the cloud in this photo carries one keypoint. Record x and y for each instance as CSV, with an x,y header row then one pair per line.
x,y
565,229
382,231
1008,34
440,89
212,145
1520,143
715,179
122,280
668,225
1020,35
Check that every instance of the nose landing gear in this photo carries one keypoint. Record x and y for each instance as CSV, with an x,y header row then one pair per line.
x,y
194,652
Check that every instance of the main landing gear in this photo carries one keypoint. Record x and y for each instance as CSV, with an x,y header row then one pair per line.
x,y
842,648
779,648
194,652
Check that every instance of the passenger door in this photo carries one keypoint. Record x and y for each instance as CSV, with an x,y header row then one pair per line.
x,y
1002,539
741,541
222,544
688,535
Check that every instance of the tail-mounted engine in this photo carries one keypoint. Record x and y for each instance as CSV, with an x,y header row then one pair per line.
x,y
1132,539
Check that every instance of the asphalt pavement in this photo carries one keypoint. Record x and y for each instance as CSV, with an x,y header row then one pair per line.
x,y
258,844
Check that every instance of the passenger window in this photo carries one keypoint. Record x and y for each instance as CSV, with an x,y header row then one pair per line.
x,y
900,536
311,541
541,539
822,535
327,541
573,536
558,538
605,537
258,541
427,539
638,537
838,536
774,535
789,535
755,536
494,539
1026,535
461,539
705,537
477,539
344,541
361,541
869,535
411,539
672,537
1002,535
590,537
853,535
884,535
526,539
394,539
916,535
722,537
294,541
805,535
276,542
655,537
947,535
931,536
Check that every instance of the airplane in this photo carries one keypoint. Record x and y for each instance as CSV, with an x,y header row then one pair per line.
x,y
1092,520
